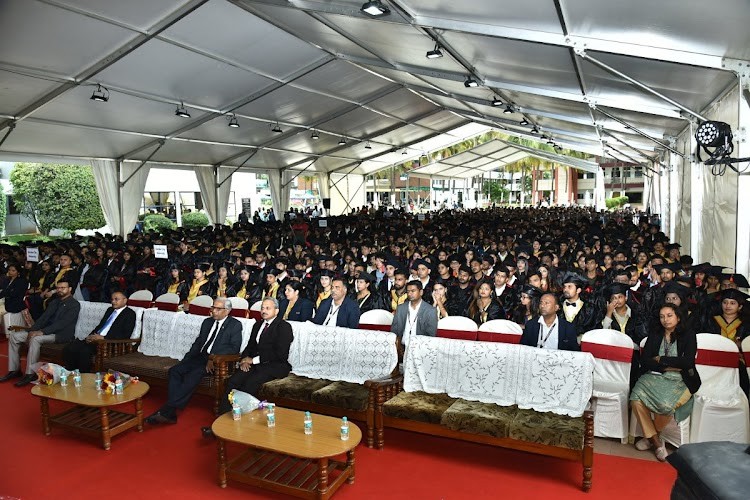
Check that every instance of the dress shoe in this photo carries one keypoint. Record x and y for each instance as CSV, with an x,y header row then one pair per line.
x,y
26,380
159,418
11,375
208,433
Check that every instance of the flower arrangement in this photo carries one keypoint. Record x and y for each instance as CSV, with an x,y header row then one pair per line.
x,y
109,380
49,373
246,402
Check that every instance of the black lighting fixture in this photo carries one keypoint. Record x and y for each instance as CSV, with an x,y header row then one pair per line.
x,y
367,145
101,94
314,136
342,141
404,151
534,130
524,122
233,121
550,141
470,82
275,128
508,110
181,111
557,147
375,8
435,53
496,103
544,137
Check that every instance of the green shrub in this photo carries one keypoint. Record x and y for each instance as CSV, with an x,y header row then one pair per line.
x,y
616,202
195,220
157,223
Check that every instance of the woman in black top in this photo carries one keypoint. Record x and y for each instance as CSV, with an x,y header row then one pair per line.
x,y
14,294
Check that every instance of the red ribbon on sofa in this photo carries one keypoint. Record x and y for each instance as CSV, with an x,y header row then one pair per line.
x,y
456,334
505,338
610,352
369,326
200,310
146,304
717,358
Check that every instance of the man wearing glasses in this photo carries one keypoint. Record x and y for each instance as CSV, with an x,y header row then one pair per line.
x,y
56,325
220,334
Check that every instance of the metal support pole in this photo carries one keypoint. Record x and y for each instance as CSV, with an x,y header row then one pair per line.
x,y
161,143
637,131
11,126
609,69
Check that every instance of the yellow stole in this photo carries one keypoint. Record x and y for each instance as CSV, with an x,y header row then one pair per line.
x,y
173,287
61,273
195,288
397,300
289,309
321,297
272,291
728,330
242,293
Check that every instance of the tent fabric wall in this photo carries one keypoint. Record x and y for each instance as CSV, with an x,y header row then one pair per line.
x,y
107,186
207,181
682,187
718,238
347,193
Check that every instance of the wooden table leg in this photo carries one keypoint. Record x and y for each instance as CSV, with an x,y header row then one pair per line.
x,y
322,477
350,465
106,438
139,413
45,416
222,456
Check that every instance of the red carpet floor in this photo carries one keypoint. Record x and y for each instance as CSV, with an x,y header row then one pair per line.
x,y
175,462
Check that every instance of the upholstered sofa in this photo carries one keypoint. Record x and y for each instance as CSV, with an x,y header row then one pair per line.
x,y
335,371
503,395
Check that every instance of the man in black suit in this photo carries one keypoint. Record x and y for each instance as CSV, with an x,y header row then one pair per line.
x,y
549,330
220,334
338,309
117,323
266,356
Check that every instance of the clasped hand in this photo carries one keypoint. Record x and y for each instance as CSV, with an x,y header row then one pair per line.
x,y
246,363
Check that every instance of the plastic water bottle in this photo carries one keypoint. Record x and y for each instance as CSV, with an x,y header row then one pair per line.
x,y
308,423
271,416
64,379
344,429
118,385
236,411
77,378
98,382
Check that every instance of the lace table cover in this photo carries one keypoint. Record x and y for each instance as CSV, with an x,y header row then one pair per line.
x,y
503,374
156,339
341,354
89,316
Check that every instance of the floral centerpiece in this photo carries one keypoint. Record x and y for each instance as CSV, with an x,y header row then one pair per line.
x,y
109,380
246,402
49,373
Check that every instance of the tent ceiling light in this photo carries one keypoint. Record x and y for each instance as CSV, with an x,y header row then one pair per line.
x,y
314,136
435,53
181,111
470,82
276,129
367,145
342,142
524,122
508,110
534,130
496,102
233,121
101,94
375,8
404,151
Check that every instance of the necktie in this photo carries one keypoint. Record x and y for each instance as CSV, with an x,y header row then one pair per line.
x,y
211,337
109,322
265,327
570,304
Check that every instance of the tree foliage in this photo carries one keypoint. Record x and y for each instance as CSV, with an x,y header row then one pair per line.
x,y
616,202
195,220
496,190
157,223
57,196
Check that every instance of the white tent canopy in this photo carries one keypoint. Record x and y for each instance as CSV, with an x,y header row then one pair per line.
x,y
622,80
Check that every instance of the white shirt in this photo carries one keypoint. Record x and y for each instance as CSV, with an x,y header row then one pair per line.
x,y
333,314
547,335
572,311
411,323
213,341
499,291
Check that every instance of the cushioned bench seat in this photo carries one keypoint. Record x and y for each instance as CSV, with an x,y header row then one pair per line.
x,y
292,387
419,406
344,395
152,369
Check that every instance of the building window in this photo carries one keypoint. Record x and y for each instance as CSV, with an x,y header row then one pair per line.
x,y
638,172
615,172
635,197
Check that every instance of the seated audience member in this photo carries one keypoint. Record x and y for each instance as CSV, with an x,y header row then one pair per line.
x,y
484,307
460,294
397,294
440,298
200,285
117,323
668,379
56,325
414,317
295,306
364,294
732,323
550,330
528,305
338,309
220,334
265,358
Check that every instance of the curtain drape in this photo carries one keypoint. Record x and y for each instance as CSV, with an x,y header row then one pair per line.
x,y
217,213
107,185
121,219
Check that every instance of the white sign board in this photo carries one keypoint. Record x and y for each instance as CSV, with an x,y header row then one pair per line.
x,y
32,254
322,223
160,252
420,216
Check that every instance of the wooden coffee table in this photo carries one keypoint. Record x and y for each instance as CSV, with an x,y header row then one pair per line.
x,y
283,458
91,414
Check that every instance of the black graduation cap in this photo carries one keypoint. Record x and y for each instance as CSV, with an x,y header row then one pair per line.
x,y
576,279
393,262
419,262
616,288
675,287
733,293
275,271
366,276
672,246
328,273
675,267
700,268
737,279
203,266
322,257
531,291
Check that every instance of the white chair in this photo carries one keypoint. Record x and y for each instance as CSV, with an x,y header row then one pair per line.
x,y
457,327
168,302
746,354
376,319
239,307
500,330
720,410
201,305
613,353
254,312
675,433
141,298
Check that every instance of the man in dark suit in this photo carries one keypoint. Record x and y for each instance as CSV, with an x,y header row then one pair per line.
x,y
117,323
338,309
550,330
220,334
